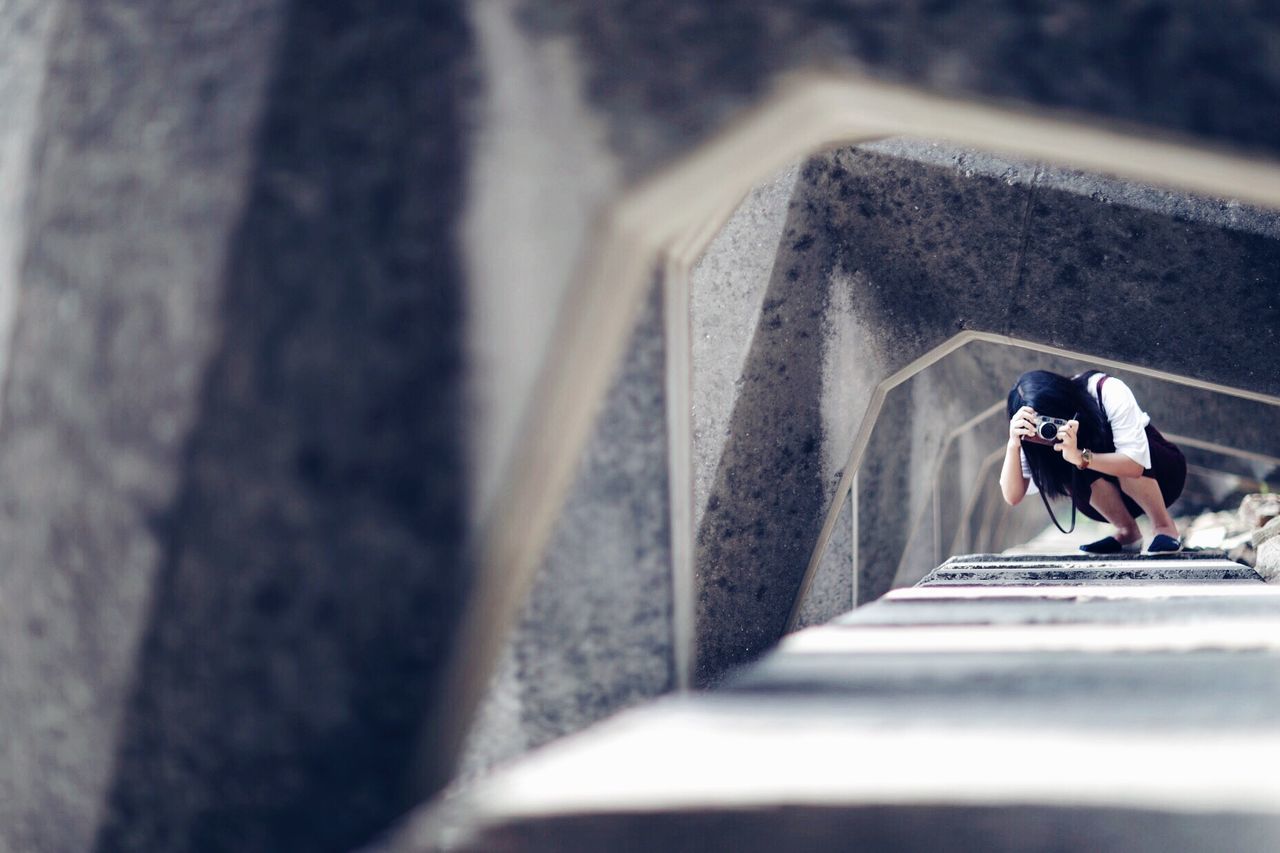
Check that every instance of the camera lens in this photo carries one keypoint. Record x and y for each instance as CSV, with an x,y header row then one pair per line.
x,y
1047,430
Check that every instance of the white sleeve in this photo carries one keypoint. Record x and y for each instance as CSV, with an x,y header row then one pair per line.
x,y
1128,422
1026,472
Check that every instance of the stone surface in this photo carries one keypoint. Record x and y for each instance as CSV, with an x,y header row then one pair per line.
x,y
765,503
985,574
538,175
1137,560
1266,533
1266,541
596,632
1110,61
945,250
994,610
234,562
832,590
636,71
984,371
897,500
1257,510
25,26
1079,568
282,278
887,251
893,829
142,144
726,296
994,717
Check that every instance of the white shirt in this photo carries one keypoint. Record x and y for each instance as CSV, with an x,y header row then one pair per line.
x,y
1128,424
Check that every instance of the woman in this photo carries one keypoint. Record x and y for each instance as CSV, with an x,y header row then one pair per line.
x,y
1108,458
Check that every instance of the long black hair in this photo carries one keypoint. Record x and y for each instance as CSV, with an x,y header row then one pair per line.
x,y
1059,397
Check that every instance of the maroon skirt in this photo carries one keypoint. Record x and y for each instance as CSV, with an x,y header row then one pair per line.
x,y
1168,468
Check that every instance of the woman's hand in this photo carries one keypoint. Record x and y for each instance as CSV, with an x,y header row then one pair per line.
x,y
1067,443
1022,423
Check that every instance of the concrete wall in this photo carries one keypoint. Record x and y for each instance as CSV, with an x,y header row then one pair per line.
x,y
890,249
232,441
283,278
981,373
596,633
832,590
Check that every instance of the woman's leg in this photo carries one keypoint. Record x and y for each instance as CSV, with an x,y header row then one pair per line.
x,y
1106,499
1146,493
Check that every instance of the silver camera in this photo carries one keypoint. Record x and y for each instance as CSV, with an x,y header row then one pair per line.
x,y
1046,430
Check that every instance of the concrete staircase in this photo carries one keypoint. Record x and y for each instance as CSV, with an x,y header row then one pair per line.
x,y
1024,703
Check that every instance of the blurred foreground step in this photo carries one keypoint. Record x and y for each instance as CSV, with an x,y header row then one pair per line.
x,y
1135,714
741,774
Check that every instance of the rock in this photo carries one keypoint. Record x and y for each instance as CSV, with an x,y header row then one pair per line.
x,y
1267,543
1257,509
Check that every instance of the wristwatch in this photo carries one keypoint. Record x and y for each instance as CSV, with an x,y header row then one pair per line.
x,y
1086,458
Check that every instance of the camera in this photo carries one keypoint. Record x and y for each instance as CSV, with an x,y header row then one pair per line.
x,y
1046,430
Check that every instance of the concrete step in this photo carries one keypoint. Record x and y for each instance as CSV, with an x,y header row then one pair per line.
x,y
1081,557
1030,606
1136,713
1074,575
998,569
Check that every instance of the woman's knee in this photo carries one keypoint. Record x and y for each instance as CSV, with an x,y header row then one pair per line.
x,y
1104,489
1144,490
1107,499
1139,485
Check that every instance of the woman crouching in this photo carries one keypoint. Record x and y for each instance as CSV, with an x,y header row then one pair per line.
x,y
1102,453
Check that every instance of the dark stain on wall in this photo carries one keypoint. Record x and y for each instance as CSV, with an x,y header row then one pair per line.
x,y
314,569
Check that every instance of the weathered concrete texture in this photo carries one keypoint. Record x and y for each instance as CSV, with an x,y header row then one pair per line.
x,y
897,503
1267,542
887,252
897,487
232,438
311,569
941,239
1145,562
596,633
1162,689
1087,569
1086,575
1000,246
539,174
1060,611
726,294
654,84
1127,267
745,584
1018,705
964,470
891,829
764,510
24,41
143,132
885,504
262,283
831,592
668,74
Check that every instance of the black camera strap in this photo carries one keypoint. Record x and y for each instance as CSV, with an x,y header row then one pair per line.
x,y
1049,509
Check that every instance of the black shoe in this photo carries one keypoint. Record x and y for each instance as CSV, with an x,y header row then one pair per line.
x,y
1162,544
1111,545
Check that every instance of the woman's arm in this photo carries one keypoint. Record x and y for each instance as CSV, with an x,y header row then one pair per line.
x,y
1013,486
1115,464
